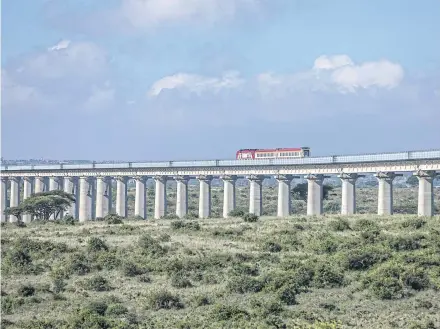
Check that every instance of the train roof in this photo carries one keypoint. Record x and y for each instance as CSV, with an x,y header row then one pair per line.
x,y
274,150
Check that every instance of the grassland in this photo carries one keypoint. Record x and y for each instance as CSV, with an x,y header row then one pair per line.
x,y
363,271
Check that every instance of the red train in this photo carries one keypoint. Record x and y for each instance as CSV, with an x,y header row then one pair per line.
x,y
279,153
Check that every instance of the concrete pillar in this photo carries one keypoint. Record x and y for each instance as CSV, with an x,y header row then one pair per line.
x,y
256,194
140,204
70,185
54,184
27,192
426,193
121,195
228,194
15,196
103,196
204,196
314,194
385,197
86,202
182,196
39,184
348,203
160,198
284,196
4,198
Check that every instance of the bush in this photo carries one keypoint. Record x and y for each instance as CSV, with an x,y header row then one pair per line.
x,y
150,247
400,243
97,283
250,218
237,213
116,309
67,220
228,312
114,219
179,280
364,258
97,307
181,225
145,278
339,225
26,291
365,224
243,284
414,223
96,245
271,246
393,280
164,300
326,275
130,269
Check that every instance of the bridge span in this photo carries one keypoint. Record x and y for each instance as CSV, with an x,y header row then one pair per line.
x,y
91,183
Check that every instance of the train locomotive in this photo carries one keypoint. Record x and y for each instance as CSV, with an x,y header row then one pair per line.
x,y
278,153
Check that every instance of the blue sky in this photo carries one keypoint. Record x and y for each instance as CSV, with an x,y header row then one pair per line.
x,y
198,79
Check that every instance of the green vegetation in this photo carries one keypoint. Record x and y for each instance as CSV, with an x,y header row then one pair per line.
x,y
362,271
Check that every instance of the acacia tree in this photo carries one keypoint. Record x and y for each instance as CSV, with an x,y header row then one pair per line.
x,y
299,192
43,205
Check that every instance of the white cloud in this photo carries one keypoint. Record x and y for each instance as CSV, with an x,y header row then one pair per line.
x,y
197,83
150,13
338,73
328,63
63,44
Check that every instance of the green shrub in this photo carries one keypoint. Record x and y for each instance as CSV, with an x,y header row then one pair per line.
x,y
163,299
237,213
271,246
150,247
339,225
114,219
145,278
58,285
96,283
393,280
413,223
25,291
130,269
243,284
116,309
365,224
250,218
182,225
326,275
97,307
96,245
266,306
201,300
400,243
222,312
364,258
164,237
180,280
67,220
245,269
10,304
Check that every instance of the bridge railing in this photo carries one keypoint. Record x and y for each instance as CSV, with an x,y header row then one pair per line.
x,y
335,159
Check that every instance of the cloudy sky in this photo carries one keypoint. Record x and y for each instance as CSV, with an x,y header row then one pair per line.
x,y
199,79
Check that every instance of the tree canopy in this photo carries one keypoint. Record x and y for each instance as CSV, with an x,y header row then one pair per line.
x,y
43,205
299,192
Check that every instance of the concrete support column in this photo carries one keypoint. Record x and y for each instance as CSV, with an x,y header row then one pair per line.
x,y
15,196
426,193
385,197
284,196
86,199
4,198
182,196
228,194
204,196
39,184
160,198
70,185
140,205
348,203
103,196
121,195
314,194
256,194
27,192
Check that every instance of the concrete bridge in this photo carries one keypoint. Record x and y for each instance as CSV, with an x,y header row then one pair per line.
x,y
91,183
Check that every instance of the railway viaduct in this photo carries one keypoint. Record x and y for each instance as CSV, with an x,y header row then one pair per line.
x,y
91,183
